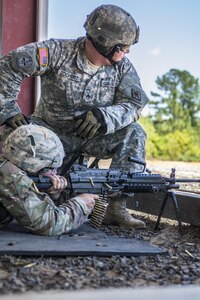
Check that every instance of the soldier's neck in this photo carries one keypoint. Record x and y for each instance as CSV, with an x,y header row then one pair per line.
x,y
94,56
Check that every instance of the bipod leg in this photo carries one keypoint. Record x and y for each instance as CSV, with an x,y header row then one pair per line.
x,y
176,207
94,164
81,160
161,211
65,168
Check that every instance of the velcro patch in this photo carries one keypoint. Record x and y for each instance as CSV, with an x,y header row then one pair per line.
x,y
136,94
24,60
43,56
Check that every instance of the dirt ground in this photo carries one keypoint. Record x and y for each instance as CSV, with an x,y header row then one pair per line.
x,y
186,169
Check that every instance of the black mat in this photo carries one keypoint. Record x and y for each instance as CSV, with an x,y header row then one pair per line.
x,y
14,240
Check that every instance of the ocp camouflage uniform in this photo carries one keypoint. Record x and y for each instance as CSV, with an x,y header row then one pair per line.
x,y
70,86
36,210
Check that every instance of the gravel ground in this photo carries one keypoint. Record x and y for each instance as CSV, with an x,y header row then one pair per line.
x,y
181,266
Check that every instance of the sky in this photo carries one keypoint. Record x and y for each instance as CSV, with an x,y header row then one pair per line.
x,y
169,33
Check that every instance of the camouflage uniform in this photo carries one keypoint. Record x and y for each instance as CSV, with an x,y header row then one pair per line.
x,y
33,209
71,87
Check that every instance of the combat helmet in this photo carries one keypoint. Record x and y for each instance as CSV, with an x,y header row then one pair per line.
x,y
109,26
33,147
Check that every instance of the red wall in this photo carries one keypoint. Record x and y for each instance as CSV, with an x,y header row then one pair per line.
x,y
19,28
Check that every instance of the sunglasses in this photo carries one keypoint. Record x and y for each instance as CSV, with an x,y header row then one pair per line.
x,y
123,48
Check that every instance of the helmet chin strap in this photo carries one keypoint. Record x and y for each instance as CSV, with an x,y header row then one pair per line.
x,y
102,51
111,54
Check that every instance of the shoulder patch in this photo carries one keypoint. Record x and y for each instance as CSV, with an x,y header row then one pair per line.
x,y
43,54
24,61
136,94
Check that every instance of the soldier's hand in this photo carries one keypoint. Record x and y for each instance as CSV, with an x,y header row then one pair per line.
x,y
17,121
88,125
89,199
59,183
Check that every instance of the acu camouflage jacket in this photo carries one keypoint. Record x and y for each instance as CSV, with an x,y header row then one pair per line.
x,y
69,86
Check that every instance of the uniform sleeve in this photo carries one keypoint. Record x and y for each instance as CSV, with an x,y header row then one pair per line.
x,y
129,101
36,211
28,61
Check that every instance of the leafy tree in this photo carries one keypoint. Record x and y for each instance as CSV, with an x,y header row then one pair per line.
x,y
178,104
152,141
179,145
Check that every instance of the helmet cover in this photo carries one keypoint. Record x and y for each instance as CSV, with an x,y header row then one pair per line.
x,y
33,147
110,25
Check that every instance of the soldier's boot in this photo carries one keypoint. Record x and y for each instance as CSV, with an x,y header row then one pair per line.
x,y
116,214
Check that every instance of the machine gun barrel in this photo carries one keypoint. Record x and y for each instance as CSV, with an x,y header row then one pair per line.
x,y
187,180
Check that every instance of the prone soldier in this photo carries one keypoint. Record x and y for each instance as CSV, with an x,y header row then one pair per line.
x,y
38,151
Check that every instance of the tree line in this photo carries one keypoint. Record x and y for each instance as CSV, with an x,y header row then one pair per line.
x,y
173,123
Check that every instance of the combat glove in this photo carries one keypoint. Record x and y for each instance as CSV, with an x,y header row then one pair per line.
x,y
90,124
16,121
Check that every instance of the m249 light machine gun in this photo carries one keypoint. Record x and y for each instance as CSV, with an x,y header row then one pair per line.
x,y
107,182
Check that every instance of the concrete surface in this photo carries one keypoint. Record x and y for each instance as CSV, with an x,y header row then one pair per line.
x,y
169,293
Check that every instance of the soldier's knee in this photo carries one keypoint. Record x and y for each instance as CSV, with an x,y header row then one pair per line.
x,y
134,132
138,131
